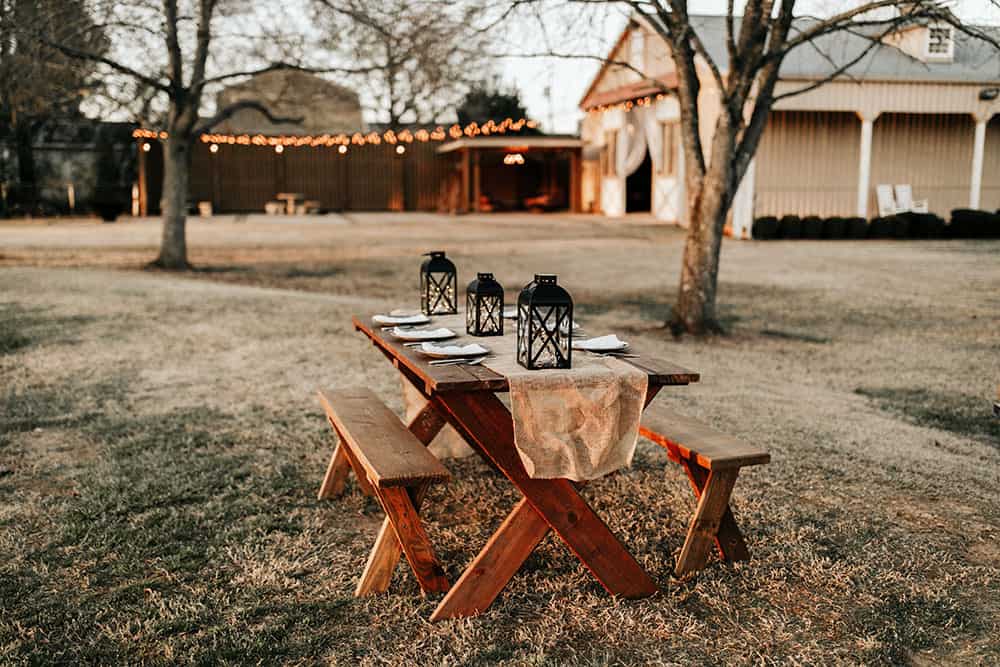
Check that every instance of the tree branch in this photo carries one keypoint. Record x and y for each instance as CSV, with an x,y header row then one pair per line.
x,y
104,60
230,110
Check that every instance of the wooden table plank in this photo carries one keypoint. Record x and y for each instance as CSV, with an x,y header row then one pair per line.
x,y
451,378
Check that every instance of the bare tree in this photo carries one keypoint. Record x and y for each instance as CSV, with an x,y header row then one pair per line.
x,y
422,56
38,82
756,45
164,59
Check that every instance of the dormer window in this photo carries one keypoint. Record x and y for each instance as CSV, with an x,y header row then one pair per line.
x,y
940,45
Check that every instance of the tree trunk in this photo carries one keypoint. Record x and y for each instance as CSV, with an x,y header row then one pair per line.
x,y
176,171
707,209
27,190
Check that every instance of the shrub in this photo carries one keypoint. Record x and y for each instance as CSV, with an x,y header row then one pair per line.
x,y
925,226
881,228
901,225
835,228
765,227
812,227
967,223
790,227
857,228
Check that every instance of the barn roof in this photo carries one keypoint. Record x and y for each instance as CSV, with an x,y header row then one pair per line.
x,y
974,60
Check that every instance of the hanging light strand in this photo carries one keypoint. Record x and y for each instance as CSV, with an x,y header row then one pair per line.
x,y
404,136
628,105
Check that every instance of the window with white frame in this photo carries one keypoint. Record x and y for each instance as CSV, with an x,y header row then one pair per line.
x,y
940,42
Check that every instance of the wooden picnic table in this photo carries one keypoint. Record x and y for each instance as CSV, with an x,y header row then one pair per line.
x,y
290,199
465,397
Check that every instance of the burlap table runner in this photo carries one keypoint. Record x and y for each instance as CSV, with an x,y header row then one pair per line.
x,y
580,424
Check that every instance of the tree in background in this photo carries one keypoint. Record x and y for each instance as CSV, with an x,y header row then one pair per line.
x,y
421,57
166,54
756,44
486,101
38,82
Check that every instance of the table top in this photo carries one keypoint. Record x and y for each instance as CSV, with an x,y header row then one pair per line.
x,y
480,378
289,195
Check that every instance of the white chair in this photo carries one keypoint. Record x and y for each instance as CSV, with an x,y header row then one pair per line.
x,y
886,202
905,203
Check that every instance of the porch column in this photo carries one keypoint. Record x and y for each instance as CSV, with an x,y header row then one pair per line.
x,y
977,162
865,162
743,204
464,204
574,181
475,181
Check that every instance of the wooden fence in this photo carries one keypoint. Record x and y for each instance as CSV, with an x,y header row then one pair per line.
x,y
240,179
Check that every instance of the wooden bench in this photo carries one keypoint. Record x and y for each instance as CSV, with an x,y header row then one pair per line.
x,y
712,461
392,465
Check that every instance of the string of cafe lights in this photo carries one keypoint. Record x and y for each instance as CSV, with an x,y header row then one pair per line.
x,y
628,105
342,141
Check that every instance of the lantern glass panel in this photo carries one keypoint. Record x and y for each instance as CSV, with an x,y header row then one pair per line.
x,y
438,285
484,306
544,325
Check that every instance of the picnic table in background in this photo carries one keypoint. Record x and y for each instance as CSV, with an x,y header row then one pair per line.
x,y
291,200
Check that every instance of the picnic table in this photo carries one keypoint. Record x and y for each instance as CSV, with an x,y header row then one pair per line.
x,y
291,200
465,396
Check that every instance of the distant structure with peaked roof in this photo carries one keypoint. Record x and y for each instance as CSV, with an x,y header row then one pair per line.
x,y
304,102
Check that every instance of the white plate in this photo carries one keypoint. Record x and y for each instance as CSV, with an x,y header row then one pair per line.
x,y
441,333
609,343
397,317
449,351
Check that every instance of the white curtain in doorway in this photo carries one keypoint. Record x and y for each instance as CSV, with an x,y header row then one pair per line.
x,y
641,133
631,148
654,137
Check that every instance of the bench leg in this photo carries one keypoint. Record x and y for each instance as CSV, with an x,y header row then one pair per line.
x,y
402,515
729,540
705,524
381,563
336,474
493,567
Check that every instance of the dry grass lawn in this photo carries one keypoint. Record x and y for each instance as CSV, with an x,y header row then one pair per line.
x,y
161,446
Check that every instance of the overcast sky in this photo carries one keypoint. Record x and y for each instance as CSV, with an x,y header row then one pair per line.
x,y
568,79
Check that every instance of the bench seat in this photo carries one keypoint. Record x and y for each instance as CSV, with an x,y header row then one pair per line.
x,y
390,455
395,467
698,442
712,461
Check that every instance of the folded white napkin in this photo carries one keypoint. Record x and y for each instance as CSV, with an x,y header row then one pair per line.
x,y
601,343
471,350
422,334
397,317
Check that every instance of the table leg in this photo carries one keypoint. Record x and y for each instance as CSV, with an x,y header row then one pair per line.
x,y
486,419
493,567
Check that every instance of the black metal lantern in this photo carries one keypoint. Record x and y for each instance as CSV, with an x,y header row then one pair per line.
x,y
544,325
438,285
484,306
